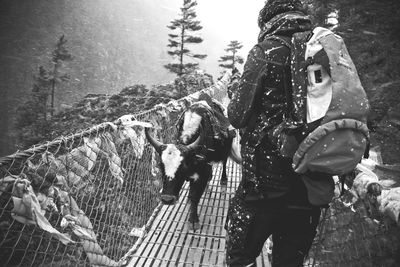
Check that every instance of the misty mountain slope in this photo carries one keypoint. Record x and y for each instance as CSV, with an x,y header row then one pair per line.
x,y
97,108
114,44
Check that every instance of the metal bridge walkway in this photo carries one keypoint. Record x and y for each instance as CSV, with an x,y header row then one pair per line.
x,y
169,243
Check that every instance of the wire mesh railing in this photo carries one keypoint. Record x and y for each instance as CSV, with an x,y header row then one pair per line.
x,y
89,198
361,226
353,238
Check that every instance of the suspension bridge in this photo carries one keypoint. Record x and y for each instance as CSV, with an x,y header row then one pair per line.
x,y
92,199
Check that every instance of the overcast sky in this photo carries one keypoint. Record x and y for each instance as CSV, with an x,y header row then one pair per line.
x,y
224,21
228,20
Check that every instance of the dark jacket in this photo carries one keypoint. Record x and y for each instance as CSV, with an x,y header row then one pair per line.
x,y
259,103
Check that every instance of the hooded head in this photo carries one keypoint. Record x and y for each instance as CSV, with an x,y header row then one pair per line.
x,y
283,17
276,7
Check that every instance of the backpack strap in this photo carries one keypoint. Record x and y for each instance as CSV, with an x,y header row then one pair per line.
x,y
298,71
288,94
342,179
281,39
367,148
348,177
287,87
253,119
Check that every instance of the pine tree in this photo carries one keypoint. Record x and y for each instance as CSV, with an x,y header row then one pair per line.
x,y
60,54
41,91
32,117
233,48
179,41
31,120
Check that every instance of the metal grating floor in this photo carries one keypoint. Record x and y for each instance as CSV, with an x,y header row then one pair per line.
x,y
169,243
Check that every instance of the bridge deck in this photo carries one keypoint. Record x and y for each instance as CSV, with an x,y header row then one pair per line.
x,y
169,243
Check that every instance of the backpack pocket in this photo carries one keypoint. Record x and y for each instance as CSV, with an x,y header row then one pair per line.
x,y
319,92
334,148
287,136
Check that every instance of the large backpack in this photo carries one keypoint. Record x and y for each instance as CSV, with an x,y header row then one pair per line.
x,y
327,106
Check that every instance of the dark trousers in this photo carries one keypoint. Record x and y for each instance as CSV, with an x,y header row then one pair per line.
x,y
249,224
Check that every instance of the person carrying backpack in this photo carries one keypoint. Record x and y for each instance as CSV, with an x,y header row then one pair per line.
x,y
301,112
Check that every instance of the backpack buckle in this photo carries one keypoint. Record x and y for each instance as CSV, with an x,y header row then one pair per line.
x,y
309,36
309,61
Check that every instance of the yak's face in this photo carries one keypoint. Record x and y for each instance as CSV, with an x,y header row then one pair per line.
x,y
175,166
174,171
172,159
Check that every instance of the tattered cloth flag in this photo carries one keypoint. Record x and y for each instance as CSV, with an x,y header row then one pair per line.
x,y
27,209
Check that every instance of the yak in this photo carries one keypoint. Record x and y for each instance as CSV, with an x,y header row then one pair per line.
x,y
202,139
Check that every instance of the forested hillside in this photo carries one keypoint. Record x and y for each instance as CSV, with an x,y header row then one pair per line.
x,y
97,108
114,44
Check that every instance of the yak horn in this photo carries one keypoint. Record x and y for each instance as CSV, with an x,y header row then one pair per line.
x,y
196,142
156,144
